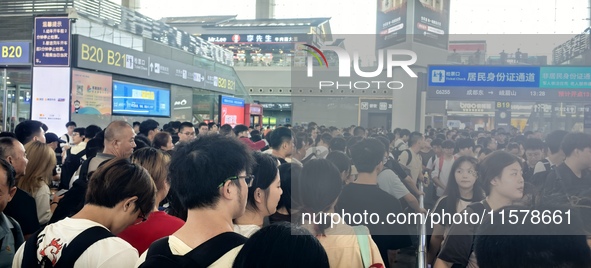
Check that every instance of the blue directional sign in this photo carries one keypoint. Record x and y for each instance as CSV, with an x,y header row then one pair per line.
x,y
483,76
52,41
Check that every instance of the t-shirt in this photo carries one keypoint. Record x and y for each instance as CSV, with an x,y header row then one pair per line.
x,y
342,247
158,225
442,174
360,198
390,183
457,247
541,167
246,230
108,252
42,201
179,248
415,165
400,145
567,183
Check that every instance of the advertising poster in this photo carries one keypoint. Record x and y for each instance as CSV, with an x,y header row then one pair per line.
x,y
390,23
432,22
91,93
50,103
140,100
231,111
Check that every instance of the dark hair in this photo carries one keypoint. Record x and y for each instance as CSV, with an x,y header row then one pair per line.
x,y
341,161
404,132
352,141
7,146
202,124
513,145
464,143
301,139
288,173
448,144
199,166
225,129
136,123
574,141
184,125
96,145
141,142
326,138
282,245
118,179
264,171
91,131
485,151
492,166
10,173
414,138
278,137
437,142
161,139
148,125
534,144
367,155
7,134
337,144
211,124
554,139
358,131
452,190
26,130
80,131
240,128
530,245
71,123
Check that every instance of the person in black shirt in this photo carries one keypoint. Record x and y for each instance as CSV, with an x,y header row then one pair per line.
x,y
364,196
281,142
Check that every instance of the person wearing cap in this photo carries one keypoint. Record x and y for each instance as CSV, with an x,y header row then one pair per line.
x,y
52,140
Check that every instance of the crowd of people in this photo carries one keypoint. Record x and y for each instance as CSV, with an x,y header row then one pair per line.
x,y
142,195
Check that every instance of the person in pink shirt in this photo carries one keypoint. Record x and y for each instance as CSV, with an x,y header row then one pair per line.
x,y
242,133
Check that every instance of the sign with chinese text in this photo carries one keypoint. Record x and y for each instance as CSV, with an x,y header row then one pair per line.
x,y
15,53
502,114
432,23
390,23
52,41
255,38
574,47
587,117
565,77
91,93
483,76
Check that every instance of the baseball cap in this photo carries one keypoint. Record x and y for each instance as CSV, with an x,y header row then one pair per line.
x,y
51,137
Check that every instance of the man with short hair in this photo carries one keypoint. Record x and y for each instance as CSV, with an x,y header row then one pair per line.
x,y
401,143
364,196
211,177
186,132
202,128
555,154
78,144
359,131
442,167
465,147
68,136
572,178
149,129
119,142
321,149
22,207
212,128
226,130
281,143
136,127
30,130
411,157
11,236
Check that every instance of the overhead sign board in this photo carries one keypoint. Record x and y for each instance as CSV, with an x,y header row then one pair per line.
x,y
515,83
52,41
97,55
15,53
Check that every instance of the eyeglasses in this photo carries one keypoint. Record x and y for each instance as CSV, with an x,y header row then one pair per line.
x,y
188,133
247,178
141,218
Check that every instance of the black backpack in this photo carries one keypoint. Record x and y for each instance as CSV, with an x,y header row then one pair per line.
x,y
69,167
396,152
71,252
159,254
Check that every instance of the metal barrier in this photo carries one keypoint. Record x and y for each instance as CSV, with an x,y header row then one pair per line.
x,y
422,252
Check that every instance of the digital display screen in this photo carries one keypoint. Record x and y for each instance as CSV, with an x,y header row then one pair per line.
x,y
140,100
231,111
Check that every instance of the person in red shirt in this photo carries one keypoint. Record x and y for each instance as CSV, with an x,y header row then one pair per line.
x,y
159,224
242,133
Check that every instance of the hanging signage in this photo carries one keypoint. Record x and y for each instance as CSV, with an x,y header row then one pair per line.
x,y
574,47
502,114
15,53
432,23
98,55
255,38
390,23
52,41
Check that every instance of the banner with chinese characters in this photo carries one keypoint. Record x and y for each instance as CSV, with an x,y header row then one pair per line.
x,y
514,83
52,41
390,22
432,23
91,93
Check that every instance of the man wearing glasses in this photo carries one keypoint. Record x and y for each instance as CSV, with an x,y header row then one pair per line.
x,y
211,177
186,132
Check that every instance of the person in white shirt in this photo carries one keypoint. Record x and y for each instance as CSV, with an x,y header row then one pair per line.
x,y
555,154
442,166
78,144
68,137
401,144
119,194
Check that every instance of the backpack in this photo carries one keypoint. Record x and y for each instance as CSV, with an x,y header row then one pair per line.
x,y
409,156
159,254
547,164
69,167
397,152
71,252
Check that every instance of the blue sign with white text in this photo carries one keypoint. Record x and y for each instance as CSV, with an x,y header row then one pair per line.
x,y
232,101
15,53
52,41
484,76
